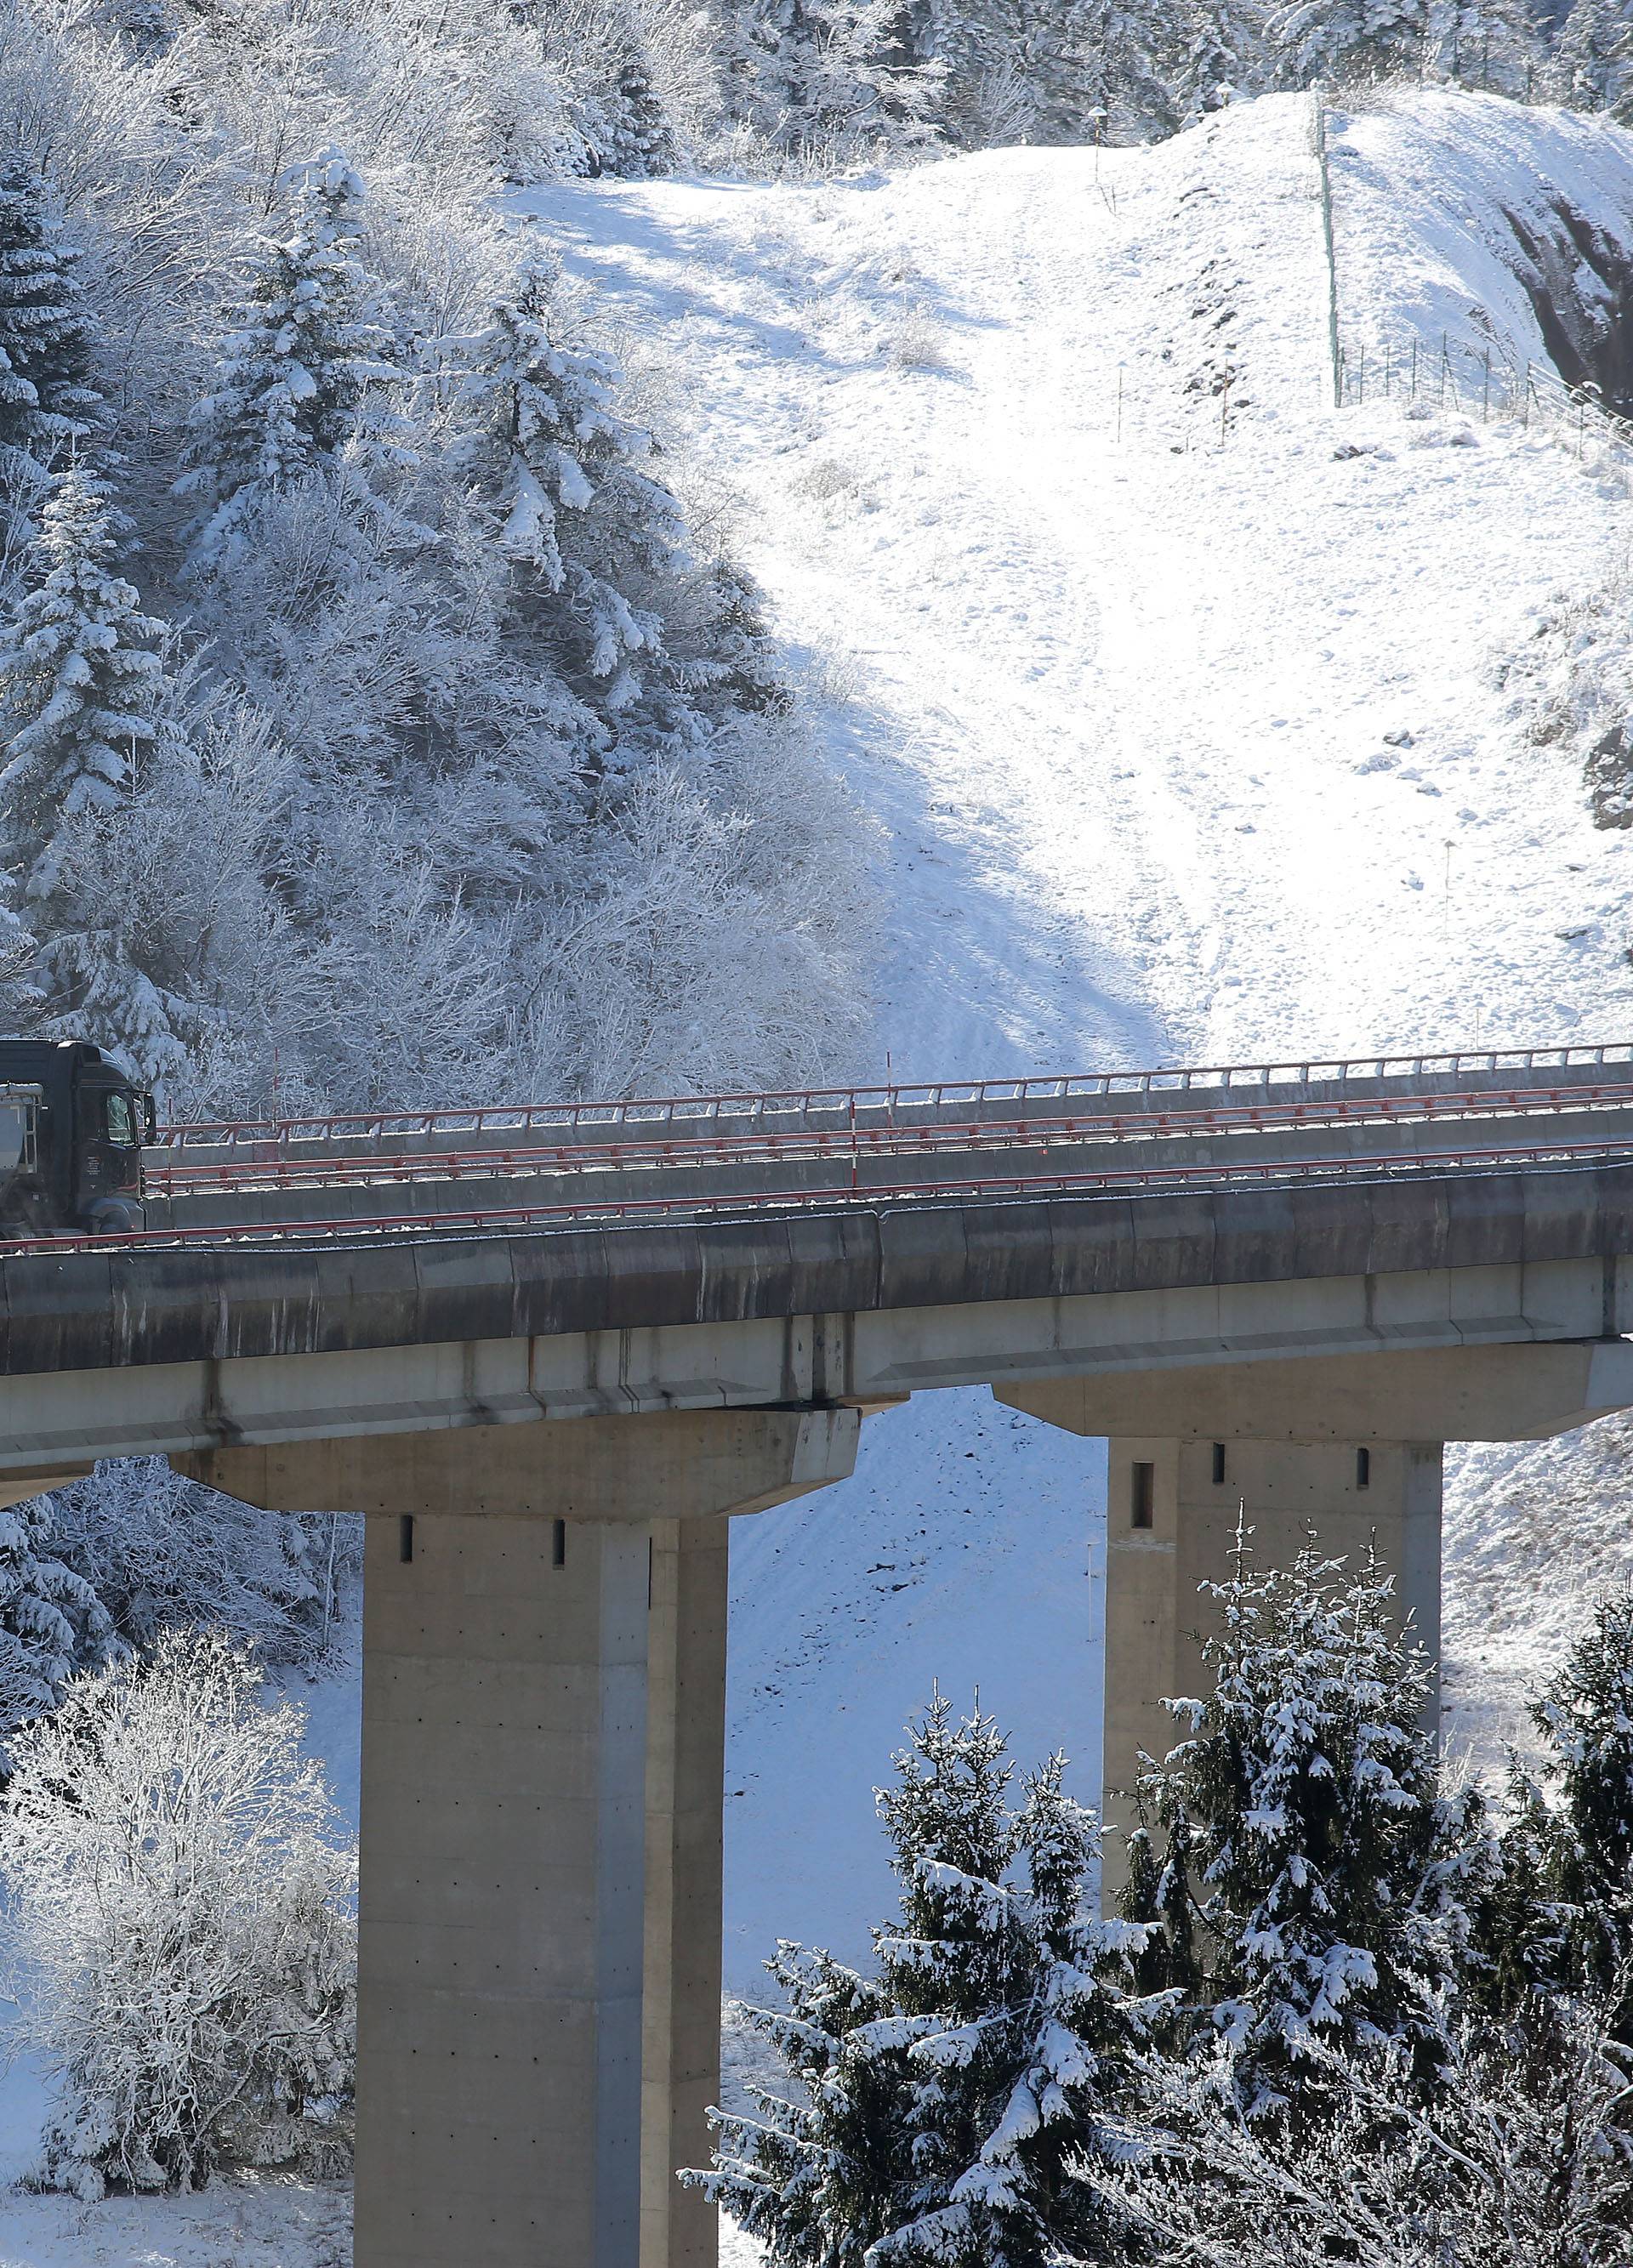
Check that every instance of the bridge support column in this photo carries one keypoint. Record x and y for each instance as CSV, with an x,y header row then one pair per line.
x,y
685,1781
544,1655
1172,1506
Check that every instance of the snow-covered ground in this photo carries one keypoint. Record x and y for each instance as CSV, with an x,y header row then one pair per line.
x,y
1112,657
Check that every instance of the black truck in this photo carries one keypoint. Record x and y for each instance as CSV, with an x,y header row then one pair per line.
x,y
71,1132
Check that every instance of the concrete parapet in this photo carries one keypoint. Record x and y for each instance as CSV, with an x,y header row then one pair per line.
x,y
119,1308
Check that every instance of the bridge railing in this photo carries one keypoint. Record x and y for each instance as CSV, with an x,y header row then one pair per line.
x,y
698,1112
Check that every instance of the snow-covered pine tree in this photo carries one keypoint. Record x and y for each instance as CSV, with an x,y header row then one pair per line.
x,y
816,2173
642,146
941,2102
305,373
52,1624
80,685
49,404
1219,58
1330,1879
1100,77
1347,43
81,689
1571,1835
813,77
1493,45
1589,67
557,470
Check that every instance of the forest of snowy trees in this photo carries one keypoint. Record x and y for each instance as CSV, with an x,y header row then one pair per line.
x,y
378,722
1351,2010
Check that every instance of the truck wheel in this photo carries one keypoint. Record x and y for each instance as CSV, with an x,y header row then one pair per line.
x,y
114,1217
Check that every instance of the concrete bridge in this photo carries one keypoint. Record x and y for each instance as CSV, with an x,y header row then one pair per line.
x,y
550,1354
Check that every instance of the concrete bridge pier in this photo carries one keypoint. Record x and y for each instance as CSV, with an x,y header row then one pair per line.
x,y
544,1710
1348,1446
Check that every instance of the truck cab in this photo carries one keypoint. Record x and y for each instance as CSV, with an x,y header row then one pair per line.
x,y
72,1127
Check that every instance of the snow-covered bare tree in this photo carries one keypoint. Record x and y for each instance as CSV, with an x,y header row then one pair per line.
x,y
936,2104
1521,2156
165,1553
178,1926
1330,1880
305,373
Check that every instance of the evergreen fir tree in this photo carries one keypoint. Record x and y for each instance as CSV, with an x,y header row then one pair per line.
x,y
558,472
942,2101
1338,42
814,76
52,1624
643,146
81,689
304,372
1219,58
1488,44
49,405
1330,1881
80,685
1588,70
1565,1919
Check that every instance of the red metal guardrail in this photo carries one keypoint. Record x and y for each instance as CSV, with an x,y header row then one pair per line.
x,y
915,1095
226,1176
1113,1181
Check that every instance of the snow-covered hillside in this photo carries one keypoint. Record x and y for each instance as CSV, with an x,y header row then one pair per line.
x,y
1182,711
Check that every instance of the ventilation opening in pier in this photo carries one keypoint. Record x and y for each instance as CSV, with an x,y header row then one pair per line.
x,y
406,1538
1141,1495
1364,1468
1218,1464
558,1544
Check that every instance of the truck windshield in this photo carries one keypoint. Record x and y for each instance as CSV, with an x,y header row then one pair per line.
x,y
122,1120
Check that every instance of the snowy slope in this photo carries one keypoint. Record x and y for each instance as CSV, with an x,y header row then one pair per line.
x,y
1120,655
1111,656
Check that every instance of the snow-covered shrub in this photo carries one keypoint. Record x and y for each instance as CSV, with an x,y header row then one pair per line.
x,y
163,1553
178,1925
931,2108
